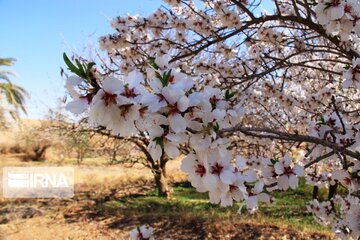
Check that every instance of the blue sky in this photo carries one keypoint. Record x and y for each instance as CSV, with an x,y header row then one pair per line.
x,y
37,32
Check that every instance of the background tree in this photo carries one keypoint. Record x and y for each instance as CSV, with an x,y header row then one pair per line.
x,y
35,140
141,156
76,136
14,95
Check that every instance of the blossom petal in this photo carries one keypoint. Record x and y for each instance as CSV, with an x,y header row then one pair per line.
x,y
283,182
279,168
71,83
112,85
162,61
134,78
250,176
337,12
298,170
187,164
258,188
227,177
214,197
210,182
77,106
252,202
156,152
226,199
293,181
183,104
171,150
240,162
177,123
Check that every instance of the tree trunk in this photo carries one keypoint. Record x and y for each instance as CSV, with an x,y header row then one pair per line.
x,y
157,167
78,158
113,157
332,191
39,153
315,193
161,184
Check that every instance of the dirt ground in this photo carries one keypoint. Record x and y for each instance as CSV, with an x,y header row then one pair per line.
x,y
80,221
84,218
52,227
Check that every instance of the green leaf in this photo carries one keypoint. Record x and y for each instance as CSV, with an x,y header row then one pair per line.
x,y
229,95
321,121
153,63
159,141
81,68
89,66
354,175
71,66
216,127
274,160
166,78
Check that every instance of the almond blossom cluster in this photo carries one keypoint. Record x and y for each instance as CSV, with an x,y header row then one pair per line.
x,y
173,109
352,75
339,17
340,211
258,98
345,223
334,129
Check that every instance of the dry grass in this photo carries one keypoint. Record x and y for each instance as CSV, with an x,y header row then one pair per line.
x,y
99,210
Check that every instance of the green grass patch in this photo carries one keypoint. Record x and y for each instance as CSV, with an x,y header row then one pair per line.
x,y
289,209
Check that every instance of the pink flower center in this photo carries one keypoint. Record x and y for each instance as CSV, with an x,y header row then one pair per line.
x,y
160,96
335,3
233,188
213,100
288,171
200,170
250,191
125,109
142,111
331,122
347,181
347,8
109,98
173,109
129,92
216,169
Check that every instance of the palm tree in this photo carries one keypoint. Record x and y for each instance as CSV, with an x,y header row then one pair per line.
x,y
14,94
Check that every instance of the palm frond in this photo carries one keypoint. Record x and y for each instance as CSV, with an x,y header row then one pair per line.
x,y
15,95
7,61
4,75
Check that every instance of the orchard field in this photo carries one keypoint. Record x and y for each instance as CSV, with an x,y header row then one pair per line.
x,y
112,200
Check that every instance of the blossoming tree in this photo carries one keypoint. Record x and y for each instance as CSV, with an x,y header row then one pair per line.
x,y
262,93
